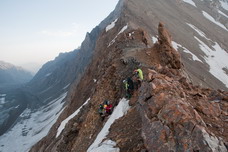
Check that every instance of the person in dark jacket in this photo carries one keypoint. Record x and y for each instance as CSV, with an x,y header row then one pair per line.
x,y
129,87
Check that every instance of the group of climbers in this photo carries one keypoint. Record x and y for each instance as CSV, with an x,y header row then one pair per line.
x,y
105,109
130,84
133,83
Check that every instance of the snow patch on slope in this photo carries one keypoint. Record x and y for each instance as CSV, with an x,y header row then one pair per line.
x,y
64,122
223,14
66,86
209,17
217,60
110,26
224,5
198,30
121,31
154,39
48,74
32,127
108,145
190,2
177,46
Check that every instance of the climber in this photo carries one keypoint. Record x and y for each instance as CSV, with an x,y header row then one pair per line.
x,y
108,107
139,74
105,109
139,77
129,87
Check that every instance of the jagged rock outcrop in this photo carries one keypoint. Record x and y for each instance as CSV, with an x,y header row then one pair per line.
x,y
168,55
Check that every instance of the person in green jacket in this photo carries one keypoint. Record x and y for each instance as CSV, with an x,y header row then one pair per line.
x,y
129,87
139,75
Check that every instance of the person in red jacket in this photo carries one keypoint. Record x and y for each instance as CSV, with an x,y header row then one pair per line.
x,y
108,107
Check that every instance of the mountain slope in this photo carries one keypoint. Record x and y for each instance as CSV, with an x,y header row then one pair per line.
x,y
177,15
41,95
11,75
168,112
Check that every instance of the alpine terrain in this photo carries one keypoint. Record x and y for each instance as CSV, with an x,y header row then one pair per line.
x,y
11,75
180,104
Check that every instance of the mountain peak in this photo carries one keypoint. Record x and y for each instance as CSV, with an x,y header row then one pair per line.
x,y
5,65
10,74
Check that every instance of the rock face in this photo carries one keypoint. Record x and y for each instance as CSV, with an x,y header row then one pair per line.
x,y
168,111
176,117
168,55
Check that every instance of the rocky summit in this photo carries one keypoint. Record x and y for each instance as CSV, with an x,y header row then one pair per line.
x,y
181,104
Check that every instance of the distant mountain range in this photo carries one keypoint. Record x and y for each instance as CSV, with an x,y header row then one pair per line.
x,y
11,74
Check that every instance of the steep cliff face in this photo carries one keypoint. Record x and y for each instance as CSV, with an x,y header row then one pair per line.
x,y
56,76
167,113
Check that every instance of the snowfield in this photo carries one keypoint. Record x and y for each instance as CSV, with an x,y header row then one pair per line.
x,y
108,145
217,59
64,122
32,127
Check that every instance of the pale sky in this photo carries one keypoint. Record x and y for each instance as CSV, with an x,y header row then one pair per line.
x,y
35,32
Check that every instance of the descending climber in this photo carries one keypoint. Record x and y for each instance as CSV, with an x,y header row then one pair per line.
x,y
129,87
105,109
108,107
139,76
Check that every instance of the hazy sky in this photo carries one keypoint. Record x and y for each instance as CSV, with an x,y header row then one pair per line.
x,y
37,31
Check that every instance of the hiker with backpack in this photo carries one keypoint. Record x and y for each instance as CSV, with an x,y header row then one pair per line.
x,y
138,74
105,109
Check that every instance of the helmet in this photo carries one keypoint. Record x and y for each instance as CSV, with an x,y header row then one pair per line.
x,y
124,81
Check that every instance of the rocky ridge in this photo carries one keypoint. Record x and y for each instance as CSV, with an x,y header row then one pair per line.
x,y
168,113
171,111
